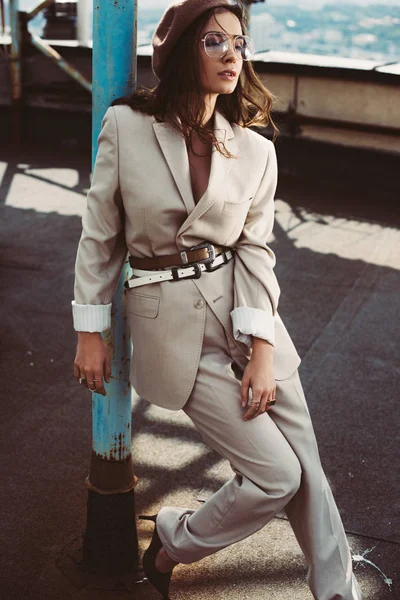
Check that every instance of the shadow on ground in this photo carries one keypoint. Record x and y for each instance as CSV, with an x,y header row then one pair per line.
x,y
342,313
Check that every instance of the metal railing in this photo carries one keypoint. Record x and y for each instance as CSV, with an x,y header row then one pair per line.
x,y
19,33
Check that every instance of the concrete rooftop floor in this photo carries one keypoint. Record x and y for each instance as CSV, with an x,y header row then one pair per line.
x,y
338,266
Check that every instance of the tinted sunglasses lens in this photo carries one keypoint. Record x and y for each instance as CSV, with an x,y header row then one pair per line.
x,y
215,45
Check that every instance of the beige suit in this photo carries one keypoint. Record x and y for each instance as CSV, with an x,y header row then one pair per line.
x,y
141,201
184,338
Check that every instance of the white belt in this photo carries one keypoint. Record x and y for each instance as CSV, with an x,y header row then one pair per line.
x,y
142,277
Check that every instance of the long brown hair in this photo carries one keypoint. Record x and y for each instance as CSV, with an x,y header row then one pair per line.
x,y
179,98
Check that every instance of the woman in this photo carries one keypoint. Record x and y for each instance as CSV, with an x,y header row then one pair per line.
x,y
185,186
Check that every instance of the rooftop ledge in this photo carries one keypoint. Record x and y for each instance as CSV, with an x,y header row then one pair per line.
x,y
313,60
300,59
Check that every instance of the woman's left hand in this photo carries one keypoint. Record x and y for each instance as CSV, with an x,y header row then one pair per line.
x,y
259,376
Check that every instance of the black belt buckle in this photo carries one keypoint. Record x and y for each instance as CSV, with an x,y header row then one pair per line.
x,y
211,252
196,274
210,268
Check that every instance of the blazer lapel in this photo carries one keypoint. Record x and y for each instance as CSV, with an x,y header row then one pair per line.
x,y
175,153
220,167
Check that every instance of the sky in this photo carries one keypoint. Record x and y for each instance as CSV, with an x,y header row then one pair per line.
x,y
153,3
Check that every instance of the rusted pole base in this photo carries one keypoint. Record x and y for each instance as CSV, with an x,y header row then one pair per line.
x,y
110,543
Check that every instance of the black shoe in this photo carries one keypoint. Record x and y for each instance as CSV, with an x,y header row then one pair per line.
x,y
159,580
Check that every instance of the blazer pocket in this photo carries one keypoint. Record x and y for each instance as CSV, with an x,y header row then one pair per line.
x,y
143,305
230,206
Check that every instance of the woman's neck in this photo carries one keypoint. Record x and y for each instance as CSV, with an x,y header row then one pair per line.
x,y
210,101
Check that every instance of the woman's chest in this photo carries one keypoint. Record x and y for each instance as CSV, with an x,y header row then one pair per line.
x,y
199,168
167,183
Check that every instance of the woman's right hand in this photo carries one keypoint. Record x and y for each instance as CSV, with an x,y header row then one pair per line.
x,y
92,361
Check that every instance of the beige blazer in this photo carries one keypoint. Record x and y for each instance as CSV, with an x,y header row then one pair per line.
x,y
141,202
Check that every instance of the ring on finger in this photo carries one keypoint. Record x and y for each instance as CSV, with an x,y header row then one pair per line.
x,y
82,380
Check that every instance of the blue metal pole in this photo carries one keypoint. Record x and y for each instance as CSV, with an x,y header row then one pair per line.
x,y
110,541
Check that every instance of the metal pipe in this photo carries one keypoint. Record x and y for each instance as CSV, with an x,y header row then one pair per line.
x,y
3,19
32,14
15,73
110,540
61,62
84,23
15,58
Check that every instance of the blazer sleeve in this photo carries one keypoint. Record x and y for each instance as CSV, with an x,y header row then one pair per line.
x,y
256,289
102,248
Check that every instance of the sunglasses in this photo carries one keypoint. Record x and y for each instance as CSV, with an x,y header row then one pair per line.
x,y
216,45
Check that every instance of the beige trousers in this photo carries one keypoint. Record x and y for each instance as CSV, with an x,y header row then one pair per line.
x,y
277,465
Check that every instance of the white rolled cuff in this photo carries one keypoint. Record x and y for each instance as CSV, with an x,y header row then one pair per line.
x,y
248,322
91,317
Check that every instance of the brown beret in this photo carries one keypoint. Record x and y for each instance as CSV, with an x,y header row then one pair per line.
x,y
175,20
